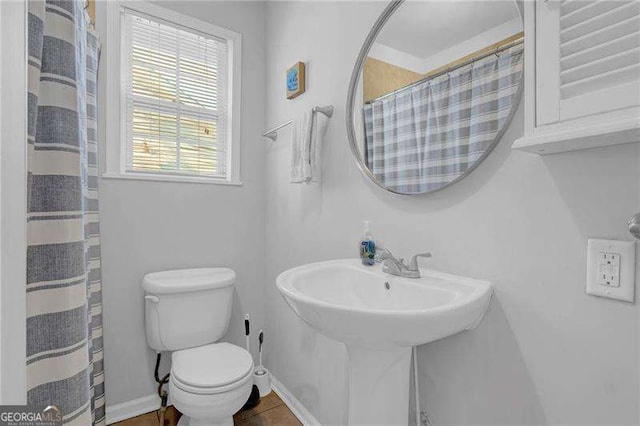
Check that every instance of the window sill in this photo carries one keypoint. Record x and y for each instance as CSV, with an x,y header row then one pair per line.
x,y
167,178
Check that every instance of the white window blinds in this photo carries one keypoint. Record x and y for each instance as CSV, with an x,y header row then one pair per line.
x,y
175,91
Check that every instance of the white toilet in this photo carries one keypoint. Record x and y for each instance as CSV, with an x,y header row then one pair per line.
x,y
186,311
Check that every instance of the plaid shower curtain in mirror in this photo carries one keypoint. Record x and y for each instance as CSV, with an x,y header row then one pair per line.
x,y
426,136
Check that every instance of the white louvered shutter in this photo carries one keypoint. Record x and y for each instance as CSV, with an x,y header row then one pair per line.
x,y
174,95
587,58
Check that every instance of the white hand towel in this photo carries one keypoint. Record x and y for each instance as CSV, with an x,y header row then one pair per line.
x,y
299,141
315,147
306,148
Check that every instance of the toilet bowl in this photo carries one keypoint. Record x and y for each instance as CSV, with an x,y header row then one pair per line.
x,y
210,383
186,312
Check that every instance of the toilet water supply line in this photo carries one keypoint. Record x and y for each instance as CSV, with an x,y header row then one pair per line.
x,y
161,392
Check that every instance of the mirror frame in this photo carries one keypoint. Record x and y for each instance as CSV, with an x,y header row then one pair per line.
x,y
353,85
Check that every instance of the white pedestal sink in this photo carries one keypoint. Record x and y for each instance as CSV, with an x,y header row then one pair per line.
x,y
379,317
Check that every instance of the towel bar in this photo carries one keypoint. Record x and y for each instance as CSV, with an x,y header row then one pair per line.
x,y
273,133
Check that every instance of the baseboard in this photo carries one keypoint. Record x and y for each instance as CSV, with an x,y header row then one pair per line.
x,y
296,407
126,410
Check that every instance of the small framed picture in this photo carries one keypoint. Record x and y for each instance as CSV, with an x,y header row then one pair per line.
x,y
295,80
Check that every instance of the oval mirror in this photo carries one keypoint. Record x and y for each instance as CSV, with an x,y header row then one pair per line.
x,y
434,87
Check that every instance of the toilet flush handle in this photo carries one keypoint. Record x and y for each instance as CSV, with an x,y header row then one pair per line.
x,y
150,298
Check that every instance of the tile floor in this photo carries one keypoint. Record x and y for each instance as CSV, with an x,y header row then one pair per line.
x,y
271,411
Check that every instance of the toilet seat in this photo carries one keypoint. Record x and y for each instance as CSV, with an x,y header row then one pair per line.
x,y
211,369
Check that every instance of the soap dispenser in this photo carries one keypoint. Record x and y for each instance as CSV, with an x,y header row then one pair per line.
x,y
367,245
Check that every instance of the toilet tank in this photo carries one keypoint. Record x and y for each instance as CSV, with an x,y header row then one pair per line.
x,y
187,307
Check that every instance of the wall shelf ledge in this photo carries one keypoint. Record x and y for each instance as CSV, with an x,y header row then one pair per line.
x,y
604,133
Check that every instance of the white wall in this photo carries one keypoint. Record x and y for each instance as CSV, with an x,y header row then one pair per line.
x,y
413,63
546,353
13,201
473,44
151,226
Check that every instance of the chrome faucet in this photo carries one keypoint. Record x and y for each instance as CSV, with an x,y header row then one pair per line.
x,y
397,267
413,270
390,264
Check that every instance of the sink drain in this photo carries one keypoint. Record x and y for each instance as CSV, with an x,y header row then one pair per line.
x,y
387,285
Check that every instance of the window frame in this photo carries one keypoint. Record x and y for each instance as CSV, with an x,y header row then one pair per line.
x,y
115,110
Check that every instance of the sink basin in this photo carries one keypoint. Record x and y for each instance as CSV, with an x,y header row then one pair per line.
x,y
380,317
351,303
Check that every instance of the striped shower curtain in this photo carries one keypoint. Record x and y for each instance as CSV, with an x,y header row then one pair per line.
x,y
426,136
64,309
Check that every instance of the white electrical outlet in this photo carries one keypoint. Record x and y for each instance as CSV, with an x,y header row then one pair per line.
x,y
611,269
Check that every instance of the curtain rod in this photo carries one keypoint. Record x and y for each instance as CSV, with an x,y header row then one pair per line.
x,y
449,69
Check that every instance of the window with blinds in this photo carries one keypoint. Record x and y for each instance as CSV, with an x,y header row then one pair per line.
x,y
174,99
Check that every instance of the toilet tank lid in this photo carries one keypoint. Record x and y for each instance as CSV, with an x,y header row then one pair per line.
x,y
184,280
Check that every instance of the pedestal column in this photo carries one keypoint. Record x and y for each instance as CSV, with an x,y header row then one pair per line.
x,y
379,386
